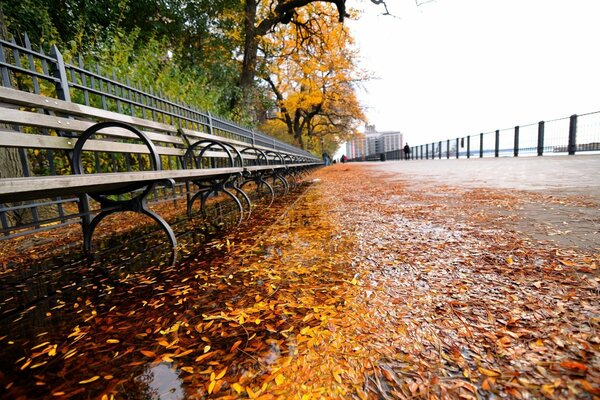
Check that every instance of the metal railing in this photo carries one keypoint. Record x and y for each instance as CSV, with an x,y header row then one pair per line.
x,y
562,136
46,73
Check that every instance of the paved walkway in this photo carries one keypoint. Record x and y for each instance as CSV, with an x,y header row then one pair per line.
x,y
573,220
567,174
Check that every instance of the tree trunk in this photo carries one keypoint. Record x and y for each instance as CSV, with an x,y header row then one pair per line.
x,y
246,83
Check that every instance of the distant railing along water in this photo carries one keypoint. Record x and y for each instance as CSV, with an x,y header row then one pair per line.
x,y
562,136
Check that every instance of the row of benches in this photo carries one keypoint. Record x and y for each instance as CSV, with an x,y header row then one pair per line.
x,y
118,160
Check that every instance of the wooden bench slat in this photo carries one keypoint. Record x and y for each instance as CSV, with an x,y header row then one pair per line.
x,y
20,189
27,118
38,101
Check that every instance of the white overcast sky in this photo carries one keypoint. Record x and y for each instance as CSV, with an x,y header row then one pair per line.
x,y
452,68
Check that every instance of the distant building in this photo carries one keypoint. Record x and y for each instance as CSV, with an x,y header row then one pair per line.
x,y
374,143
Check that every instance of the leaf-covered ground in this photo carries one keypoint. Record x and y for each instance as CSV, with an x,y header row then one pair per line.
x,y
360,287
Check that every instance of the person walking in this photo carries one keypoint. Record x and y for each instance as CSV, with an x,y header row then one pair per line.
x,y
406,151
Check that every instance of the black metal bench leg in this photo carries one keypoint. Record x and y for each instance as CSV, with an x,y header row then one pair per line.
x,y
260,181
89,228
247,200
165,227
192,199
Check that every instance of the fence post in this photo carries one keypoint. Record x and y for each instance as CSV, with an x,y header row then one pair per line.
x,y
58,70
421,152
448,149
457,147
210,123
572,135
440,147
516,145
468,146
481,145
497,144
540,144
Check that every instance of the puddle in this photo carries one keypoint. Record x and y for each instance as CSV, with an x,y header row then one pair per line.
x,y
73,328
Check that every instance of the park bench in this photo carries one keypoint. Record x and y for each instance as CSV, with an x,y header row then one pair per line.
x,y
119,160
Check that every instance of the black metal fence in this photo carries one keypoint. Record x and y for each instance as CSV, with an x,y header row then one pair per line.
x,y
570,135
46,73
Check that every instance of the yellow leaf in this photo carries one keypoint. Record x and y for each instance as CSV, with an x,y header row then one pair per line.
x,y
167,358
337,378
188,369
112,340
279,379
237,387
211,386
92,379
241,320
251,394
354,281
221,374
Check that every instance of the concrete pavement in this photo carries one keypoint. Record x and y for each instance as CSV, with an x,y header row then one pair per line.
x,y
574,222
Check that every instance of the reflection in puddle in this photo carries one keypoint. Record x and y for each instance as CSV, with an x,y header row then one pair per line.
x,y
163,382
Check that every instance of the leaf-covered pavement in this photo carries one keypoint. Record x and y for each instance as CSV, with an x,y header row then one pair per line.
x,y
363,287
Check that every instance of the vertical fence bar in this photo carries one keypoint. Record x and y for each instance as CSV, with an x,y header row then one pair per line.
x,y
58,70
83,77
427,151
468,146
457,147
516,145
572,135
440,148
101,87
448,149
481,145
540,141
497,144
210,123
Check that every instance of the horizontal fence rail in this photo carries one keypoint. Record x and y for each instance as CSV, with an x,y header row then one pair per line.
x,y
45,72
562,136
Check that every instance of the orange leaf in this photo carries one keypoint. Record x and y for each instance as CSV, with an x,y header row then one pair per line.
x,y
488,372
204,356
574,365
236,345
148,353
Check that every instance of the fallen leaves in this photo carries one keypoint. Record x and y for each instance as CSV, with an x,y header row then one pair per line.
x,y
345,294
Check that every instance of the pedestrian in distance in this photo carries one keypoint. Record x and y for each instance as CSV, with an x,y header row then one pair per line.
x,y
326,159
406,151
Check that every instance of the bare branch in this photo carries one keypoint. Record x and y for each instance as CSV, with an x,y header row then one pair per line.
x,y
378,2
